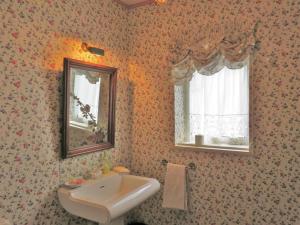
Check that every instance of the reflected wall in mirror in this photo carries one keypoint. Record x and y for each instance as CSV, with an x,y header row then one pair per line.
x,y
89,107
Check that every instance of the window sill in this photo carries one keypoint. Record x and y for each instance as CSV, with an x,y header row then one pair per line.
x,y
80,126
215,149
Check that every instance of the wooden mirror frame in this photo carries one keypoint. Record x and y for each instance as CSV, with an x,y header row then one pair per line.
x,y
72,63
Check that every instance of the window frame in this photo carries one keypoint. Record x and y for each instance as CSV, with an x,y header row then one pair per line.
x,y
247,150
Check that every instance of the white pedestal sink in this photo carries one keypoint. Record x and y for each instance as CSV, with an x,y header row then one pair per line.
x,y
108,198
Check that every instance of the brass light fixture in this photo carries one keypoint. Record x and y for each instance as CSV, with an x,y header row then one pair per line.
x,y
97,51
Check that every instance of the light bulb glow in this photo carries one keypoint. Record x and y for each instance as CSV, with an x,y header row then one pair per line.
x,y
160,2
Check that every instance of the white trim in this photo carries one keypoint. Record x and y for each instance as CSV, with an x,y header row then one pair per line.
x,y
81,126
186,92
214,149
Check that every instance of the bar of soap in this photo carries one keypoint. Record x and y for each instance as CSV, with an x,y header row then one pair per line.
x,y
121,170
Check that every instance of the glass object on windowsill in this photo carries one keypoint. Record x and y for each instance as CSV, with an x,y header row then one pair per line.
x,y
199,140
220,142
227,141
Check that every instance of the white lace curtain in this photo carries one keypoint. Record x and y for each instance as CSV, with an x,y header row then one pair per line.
x,y
219,104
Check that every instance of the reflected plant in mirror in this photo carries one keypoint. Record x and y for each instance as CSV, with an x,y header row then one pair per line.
x,y
89,107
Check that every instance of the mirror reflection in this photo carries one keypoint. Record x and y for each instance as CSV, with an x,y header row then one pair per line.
x,y
88,109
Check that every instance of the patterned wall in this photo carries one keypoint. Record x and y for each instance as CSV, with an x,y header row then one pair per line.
x,y
225,189
262,189
35,36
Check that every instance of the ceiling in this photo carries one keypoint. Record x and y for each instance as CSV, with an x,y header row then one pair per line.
x,y
134,3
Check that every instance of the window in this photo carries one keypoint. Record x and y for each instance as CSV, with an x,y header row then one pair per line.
x,y
213,111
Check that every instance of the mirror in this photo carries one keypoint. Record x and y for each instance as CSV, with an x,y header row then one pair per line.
x,y
89,107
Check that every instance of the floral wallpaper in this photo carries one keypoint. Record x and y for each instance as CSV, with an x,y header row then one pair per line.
x,y
35,36
259,189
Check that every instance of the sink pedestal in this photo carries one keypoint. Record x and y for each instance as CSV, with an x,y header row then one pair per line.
x,y
118,221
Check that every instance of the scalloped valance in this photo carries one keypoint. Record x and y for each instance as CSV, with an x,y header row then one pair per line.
x,y
232,51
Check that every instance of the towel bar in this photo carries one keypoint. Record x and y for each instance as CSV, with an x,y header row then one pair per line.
x,y
191,165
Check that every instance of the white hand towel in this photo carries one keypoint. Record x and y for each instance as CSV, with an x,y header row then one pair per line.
x,y
175,195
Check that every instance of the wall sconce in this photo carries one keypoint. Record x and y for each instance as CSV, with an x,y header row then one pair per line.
x,y
93,50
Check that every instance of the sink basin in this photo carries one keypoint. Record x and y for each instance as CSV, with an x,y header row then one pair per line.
x,y
108,198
